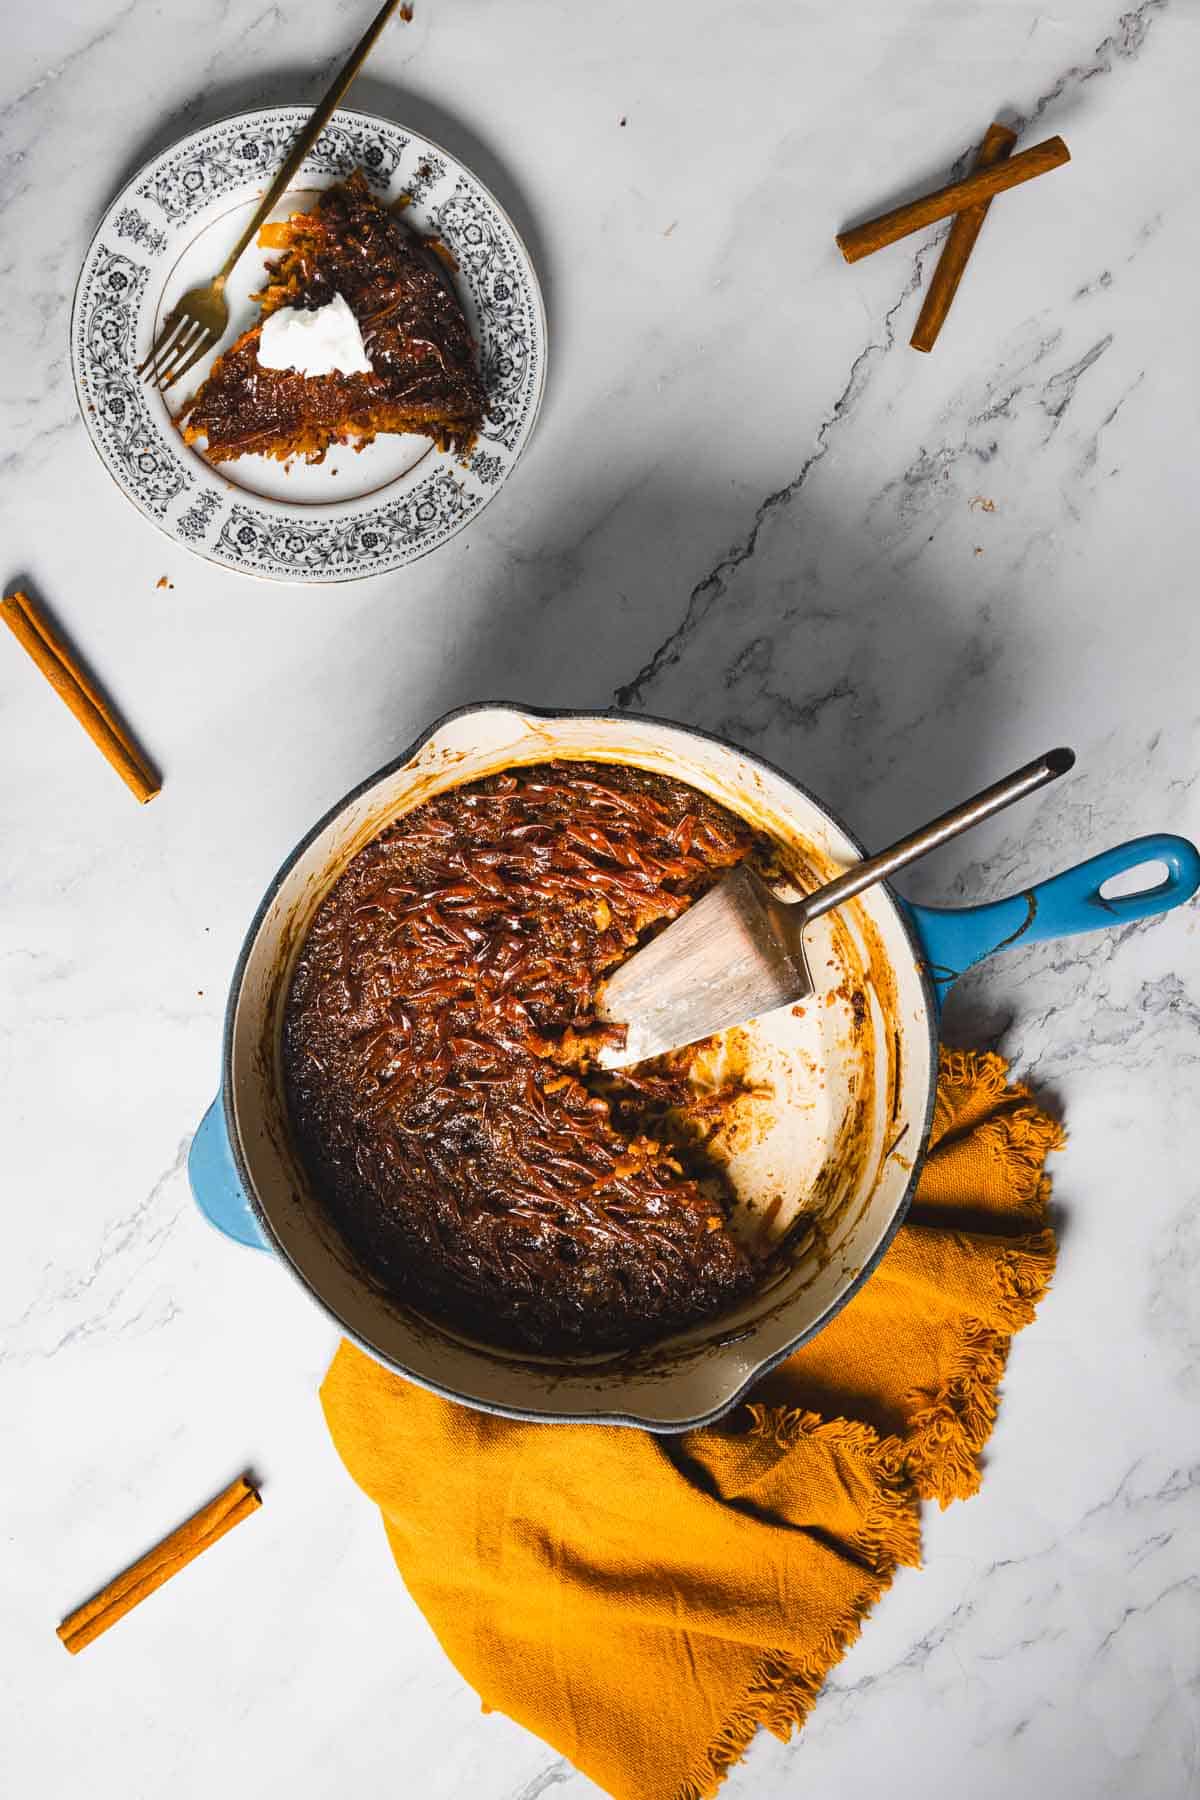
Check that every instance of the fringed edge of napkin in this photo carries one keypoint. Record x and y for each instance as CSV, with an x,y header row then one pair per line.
x,y
948,1436
939,1459
785,1688
1021,1135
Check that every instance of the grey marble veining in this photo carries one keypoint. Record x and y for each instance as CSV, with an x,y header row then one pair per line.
x,y
748,505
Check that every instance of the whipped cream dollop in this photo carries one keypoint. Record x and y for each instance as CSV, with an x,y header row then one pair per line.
x,y
317,342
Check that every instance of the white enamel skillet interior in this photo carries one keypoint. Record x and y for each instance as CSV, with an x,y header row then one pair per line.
x,y
828,1144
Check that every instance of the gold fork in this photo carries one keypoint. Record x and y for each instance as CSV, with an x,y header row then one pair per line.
x,y
198,321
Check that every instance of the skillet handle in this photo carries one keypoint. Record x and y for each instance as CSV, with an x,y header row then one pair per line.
x,y
954,938
216,1185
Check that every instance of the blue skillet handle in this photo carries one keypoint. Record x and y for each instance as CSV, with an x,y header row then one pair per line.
x,y
953,938
216,1185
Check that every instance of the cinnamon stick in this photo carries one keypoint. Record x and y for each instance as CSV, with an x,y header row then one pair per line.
x,y
998,142
979,185
58,664
88,1622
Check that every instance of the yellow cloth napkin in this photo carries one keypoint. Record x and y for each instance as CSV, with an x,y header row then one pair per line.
x,y
645,1603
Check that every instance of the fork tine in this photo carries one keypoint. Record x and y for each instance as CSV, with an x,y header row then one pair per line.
x,y
180,348
198,345
160,374
171,327
161,362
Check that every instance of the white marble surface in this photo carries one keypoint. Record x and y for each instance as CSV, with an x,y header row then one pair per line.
x,y
748,505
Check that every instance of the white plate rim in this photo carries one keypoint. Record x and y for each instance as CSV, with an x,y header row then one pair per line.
x,y
202,511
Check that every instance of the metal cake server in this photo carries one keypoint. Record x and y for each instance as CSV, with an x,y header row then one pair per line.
x,y
739,952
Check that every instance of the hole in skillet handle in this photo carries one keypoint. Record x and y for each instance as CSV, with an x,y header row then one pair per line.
x,y
1144,878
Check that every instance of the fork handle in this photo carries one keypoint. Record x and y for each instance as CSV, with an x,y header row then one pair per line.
x,y
918,843
309,135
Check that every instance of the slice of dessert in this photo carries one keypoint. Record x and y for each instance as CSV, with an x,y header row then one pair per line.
x,y
361,333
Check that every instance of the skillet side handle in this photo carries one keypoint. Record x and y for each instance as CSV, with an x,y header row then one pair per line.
x,y
216,1185
954,938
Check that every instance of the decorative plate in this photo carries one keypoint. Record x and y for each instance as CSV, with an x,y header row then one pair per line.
x,y
358,512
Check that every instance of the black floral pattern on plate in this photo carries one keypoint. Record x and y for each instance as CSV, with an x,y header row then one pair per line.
x,y
394,533
486,466
194,523
430,169
129,223
132,442
489,263
185,182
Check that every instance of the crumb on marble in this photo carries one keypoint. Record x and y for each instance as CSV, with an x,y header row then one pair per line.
x,y
406,13
670,227
622,120
164,582
980,503
979,549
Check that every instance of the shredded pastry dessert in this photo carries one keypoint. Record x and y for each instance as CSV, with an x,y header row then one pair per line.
x,y
423,377
437,1048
